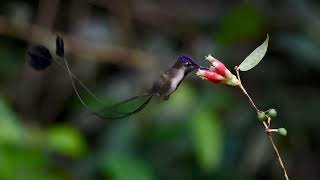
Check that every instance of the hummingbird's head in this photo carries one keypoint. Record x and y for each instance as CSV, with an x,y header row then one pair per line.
x,y
187,64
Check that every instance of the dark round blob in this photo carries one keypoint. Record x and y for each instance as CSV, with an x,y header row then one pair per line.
x,y
40,57
59,47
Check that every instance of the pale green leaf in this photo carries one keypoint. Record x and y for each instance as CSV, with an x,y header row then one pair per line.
x,y
66,140
207,139
247,19
11,130
255,57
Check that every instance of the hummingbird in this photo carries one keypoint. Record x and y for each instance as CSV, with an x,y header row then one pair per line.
x,y
164,86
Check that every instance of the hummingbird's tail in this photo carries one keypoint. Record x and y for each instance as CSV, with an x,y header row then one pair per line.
x,y
108,112
40,59
126,114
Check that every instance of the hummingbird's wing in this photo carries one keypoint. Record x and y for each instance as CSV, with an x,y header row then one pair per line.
x,y
162,86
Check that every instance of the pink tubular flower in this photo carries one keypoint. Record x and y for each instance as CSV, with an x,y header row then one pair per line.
x,y
210,76
218,73
218,67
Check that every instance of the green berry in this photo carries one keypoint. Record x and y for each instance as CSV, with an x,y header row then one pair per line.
x,y
261,116
272,113
282,131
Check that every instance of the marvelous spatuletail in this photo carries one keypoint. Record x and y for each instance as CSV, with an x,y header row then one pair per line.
x,y
164,86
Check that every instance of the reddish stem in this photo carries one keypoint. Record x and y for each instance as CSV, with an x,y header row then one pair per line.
x,y
267,125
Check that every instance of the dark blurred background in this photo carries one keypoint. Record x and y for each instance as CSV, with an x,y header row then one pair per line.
x,y
117,48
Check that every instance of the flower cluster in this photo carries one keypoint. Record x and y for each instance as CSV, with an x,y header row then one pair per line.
x,y
217,73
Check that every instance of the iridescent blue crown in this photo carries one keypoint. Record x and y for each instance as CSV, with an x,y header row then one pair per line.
x,y
187,59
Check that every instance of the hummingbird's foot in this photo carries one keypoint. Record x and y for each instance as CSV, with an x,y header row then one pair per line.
x,y
166,97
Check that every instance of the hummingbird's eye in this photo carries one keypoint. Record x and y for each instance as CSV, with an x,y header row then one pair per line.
x,y
187,63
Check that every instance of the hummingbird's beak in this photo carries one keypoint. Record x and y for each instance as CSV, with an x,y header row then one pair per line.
x,y
194,66
203,68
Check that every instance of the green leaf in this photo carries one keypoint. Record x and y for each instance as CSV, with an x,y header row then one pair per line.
x,y
255,57
240,23
122,166
180,102
11,130
66,140
207,139
21,163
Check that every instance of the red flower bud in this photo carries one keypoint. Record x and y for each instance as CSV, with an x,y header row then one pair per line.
x,y
210,76
219,67
217,73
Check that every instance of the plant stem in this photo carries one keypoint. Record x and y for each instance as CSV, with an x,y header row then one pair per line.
x,y
278,156
267,126
250,99
245,92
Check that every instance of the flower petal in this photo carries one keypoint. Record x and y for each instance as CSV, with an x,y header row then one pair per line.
x,y
219,67
210,76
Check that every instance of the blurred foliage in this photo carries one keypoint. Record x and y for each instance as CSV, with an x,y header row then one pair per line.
x,y
204,131
207,139
239,23
122,166
66,140
11,128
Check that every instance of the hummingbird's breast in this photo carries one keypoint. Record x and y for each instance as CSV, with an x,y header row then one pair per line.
x,y
175,81
168,82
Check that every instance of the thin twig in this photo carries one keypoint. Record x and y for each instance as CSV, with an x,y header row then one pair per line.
x,y
278,156
245,92
266,125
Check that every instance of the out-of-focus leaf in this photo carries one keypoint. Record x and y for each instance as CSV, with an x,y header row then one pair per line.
x,y
21,163
255,57
184,95
120,166
179,102
207,139
11,131
220,99
66,140
240,23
